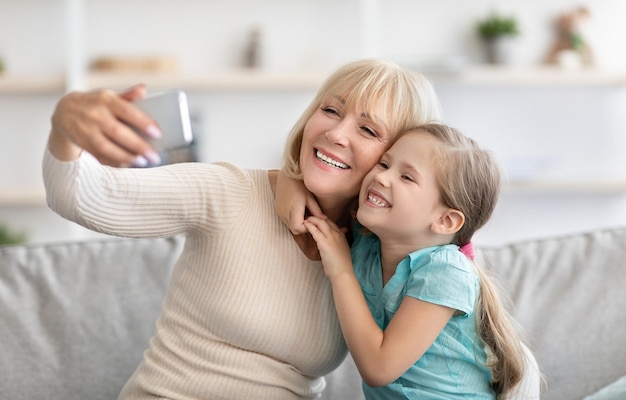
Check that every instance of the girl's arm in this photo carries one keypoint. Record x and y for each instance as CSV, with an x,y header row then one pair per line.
x,y
381,356
294,202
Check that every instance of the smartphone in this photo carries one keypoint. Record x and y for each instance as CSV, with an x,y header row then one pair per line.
x,y
170,110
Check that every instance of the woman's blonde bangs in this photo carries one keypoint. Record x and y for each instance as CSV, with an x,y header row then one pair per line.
x,y
389,95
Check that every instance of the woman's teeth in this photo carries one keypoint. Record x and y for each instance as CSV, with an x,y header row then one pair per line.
x,y
330,161
376,201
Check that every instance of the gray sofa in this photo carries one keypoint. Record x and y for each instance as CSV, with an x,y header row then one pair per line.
x,y
77,316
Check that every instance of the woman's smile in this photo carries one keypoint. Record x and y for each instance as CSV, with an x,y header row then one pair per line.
x,y
331,161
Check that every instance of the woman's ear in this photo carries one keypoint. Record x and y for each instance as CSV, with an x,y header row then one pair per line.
x,y
450,222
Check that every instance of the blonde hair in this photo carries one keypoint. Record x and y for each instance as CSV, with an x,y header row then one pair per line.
x,y
399,98
470,181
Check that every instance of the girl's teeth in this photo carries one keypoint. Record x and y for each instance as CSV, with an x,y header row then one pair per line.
x,y
330,161
376,202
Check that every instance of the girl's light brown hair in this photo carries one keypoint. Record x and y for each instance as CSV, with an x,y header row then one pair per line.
x,y
470,180
397,97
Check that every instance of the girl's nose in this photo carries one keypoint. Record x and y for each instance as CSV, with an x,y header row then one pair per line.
x,y
382,178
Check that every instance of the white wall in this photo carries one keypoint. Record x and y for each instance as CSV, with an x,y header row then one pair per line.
x,y
571,132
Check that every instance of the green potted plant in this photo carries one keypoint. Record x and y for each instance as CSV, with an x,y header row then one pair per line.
x,y
495,32
7,236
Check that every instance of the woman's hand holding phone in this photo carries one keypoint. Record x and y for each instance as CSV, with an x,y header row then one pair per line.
x,y
122,129
170,111
92,121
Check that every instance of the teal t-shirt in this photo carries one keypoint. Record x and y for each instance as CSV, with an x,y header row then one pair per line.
x,y
453,367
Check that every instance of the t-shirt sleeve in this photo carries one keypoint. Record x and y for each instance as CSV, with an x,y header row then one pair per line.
x,y
446,279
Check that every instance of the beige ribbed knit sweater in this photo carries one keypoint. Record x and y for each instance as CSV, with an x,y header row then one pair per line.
x,y
247,315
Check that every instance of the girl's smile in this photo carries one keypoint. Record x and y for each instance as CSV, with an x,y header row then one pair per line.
x,y
376,199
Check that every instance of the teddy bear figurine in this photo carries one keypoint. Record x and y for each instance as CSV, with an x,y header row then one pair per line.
x,y
570,49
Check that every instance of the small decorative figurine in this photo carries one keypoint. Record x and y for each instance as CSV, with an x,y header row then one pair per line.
x,y
570,48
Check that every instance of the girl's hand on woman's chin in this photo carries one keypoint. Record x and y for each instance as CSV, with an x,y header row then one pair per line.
x,y
294,203
332,244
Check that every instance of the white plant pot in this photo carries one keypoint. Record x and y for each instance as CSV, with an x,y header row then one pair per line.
x,y
499,50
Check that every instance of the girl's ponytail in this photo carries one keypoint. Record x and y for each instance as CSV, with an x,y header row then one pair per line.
x,y
496,329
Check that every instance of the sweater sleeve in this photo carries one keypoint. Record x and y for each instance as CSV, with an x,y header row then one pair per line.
x,y
145,202
59,178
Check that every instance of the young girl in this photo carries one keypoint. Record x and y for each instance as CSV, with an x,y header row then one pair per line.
x,y
421,320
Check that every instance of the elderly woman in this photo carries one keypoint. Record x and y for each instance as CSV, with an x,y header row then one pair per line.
x,y
249,312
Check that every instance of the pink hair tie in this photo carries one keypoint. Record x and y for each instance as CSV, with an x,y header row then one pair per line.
x,y
468,250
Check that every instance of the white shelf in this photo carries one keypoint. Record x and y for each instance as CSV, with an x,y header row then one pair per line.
x,y
559,187
37,198
33,84
528,76
223,81
34,197
259,80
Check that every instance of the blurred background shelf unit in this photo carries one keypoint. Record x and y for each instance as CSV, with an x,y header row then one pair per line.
x,y
204,42
560,133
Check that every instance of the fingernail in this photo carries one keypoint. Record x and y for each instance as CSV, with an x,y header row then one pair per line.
x,y
153,157
153,132
140,162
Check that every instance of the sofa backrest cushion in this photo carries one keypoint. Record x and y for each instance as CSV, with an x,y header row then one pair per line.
x,y
569,296
76,317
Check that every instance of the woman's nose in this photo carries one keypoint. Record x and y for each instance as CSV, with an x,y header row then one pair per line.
x,y
338,134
